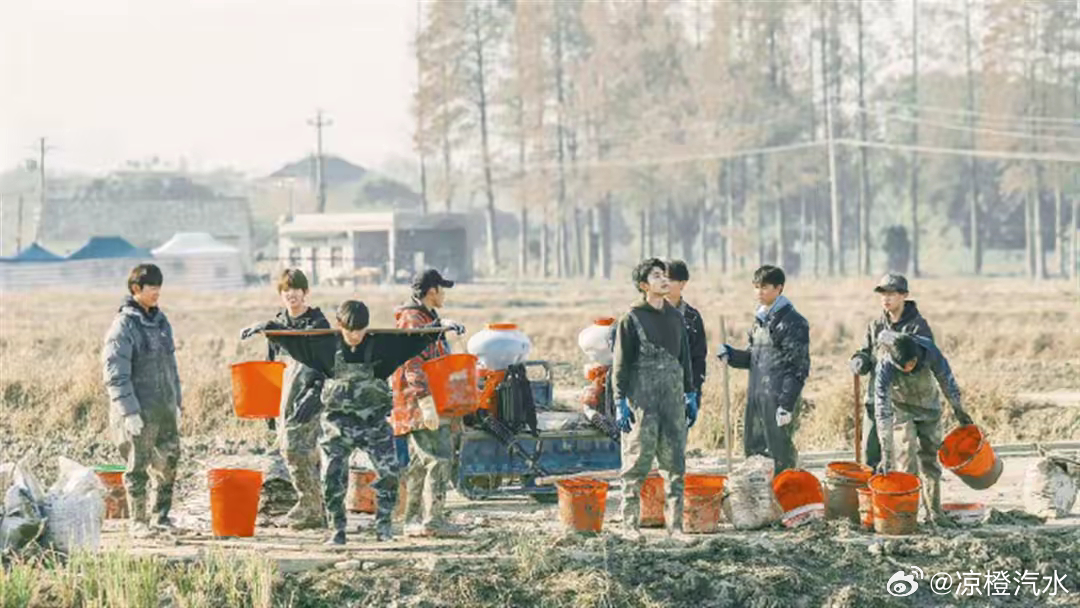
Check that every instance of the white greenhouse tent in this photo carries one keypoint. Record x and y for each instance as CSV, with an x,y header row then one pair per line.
x,y
196,260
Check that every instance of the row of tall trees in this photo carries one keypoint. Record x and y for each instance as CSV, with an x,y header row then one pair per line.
x,y
813,134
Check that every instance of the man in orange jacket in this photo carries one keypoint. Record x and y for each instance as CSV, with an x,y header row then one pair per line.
x,y
429,438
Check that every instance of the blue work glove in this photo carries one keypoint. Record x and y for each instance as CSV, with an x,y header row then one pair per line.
x,y
692,406
624,416
724,353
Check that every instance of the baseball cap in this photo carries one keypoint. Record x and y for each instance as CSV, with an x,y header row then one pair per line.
x,y
428,279
892,282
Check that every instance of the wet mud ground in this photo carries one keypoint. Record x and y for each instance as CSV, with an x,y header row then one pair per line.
x,y
514,552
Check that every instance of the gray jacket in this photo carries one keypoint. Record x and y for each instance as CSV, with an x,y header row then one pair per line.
x,y
139,361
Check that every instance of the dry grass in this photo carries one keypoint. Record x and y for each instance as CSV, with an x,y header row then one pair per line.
x,y
1002,337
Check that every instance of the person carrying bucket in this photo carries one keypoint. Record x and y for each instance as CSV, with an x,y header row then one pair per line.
x,y
898,314
430,441
679,275
356,407
298,429
654,396
908,408
143,383
779,362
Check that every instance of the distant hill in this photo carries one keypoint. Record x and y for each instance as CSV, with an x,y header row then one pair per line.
x,y
349,188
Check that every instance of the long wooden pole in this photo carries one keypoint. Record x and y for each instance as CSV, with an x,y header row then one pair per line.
x,y
858,419
728,439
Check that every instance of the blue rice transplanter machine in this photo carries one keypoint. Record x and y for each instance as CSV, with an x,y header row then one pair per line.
x,y
519,433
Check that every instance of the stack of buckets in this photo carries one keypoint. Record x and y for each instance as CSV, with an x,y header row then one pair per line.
x,y
234,493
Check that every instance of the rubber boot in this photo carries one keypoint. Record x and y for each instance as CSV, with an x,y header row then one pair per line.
x,y
937,514
337,538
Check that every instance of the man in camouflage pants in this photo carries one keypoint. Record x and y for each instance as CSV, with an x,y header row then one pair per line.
x,y
909,372
655,398
298,429
430,438
141,377
356,404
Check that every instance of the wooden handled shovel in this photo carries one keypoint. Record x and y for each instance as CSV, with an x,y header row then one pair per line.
x,y
728,439
858,419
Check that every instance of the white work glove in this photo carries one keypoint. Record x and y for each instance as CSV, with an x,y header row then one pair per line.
x,y
427,408
179,412
783,417
133,424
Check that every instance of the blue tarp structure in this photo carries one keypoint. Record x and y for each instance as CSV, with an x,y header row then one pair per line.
x,y
108,247
34,253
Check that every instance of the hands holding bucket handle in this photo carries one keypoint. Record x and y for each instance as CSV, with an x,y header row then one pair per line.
x,y
453,326
259,328
624,416
133,424
962,416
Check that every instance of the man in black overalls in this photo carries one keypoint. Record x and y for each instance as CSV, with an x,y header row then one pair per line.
x,y
778,358
654,395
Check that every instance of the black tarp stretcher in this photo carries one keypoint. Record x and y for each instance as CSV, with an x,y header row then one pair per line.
x,y
387,348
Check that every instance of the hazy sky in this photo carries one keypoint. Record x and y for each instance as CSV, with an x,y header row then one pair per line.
x,y
220,82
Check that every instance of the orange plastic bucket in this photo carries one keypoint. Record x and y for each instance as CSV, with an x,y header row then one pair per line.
x,y
256,388
896,502
652,502
112,477
234,501
800,496
361,497
452,381
582,503
703,494
967,453
866,508
842,481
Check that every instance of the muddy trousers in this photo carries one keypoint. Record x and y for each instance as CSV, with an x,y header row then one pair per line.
x,y
660,433
300,447
427,474
761,436
917,443
153,453
341,434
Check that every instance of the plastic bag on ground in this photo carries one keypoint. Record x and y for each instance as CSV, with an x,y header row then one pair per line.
x,y
75,508
748,501
21,516
1049,490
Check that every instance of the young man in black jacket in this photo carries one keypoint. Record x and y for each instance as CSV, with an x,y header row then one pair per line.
x,y
678,276
779,362
898,315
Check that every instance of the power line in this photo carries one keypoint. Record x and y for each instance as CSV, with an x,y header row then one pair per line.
x,y
970,129
962,112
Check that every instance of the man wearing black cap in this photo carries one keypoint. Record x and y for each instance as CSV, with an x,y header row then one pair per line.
x,y
429,438
898,315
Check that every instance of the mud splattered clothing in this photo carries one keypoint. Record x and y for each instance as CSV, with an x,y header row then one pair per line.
x,y
911,322
299,438
410,382
908,408
356,404
778,358
655,381
430,451
695,334
141,377
662,327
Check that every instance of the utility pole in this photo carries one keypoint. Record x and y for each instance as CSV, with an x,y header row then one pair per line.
x,y
915,138
422,143
42,149
320,176
18,227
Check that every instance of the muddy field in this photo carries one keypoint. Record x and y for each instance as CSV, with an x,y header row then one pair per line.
x,y
1014,345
